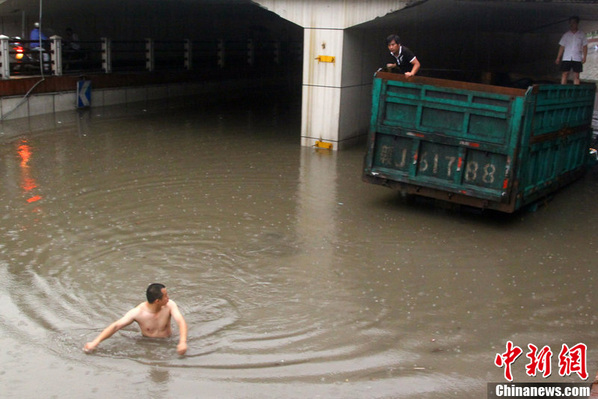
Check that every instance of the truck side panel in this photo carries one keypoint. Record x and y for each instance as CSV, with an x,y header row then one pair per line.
x,y
447,138
560,135
481,145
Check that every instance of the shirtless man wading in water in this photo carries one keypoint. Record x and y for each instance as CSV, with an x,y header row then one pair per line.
x,y
153,318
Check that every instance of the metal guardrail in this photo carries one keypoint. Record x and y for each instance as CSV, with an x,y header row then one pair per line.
x,y
20,57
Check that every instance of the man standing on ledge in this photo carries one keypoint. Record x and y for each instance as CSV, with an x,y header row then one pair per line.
x,y
405,60
153,318
573,50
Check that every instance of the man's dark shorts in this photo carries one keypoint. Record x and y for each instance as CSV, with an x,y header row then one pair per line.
x,y
569,65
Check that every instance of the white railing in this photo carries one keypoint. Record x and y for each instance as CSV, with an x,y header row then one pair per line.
x,y
108,56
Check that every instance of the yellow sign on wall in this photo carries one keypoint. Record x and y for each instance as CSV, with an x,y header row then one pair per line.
x,y
325,58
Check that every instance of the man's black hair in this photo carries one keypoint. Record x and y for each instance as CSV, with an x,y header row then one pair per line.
x,y
154,291
392,37
574,18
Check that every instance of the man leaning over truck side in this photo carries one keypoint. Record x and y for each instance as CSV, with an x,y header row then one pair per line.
x,y
405,61
573,50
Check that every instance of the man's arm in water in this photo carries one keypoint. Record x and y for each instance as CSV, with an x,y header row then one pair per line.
x,y
127,319
180,320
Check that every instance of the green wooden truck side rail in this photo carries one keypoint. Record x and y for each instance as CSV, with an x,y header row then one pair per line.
x,y
480,145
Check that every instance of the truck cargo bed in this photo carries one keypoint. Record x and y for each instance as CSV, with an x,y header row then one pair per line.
x,y
480,145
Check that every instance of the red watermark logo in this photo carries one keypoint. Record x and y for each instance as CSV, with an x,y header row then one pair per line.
x,y
572,360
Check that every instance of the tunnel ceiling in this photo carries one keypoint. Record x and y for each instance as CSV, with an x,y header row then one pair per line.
x,y
515,16
487,15
54,7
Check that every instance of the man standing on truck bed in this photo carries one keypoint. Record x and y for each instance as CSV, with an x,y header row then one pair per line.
x,y
405,61
573,51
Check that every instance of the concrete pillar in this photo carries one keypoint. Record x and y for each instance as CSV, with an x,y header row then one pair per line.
x,y
335,88
4,57
106,55
150,60
188,54
56,54
322,86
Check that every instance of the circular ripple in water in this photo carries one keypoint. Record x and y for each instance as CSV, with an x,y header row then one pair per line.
x,y
270,288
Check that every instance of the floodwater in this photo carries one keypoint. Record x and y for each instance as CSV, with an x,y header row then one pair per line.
x,y
297,280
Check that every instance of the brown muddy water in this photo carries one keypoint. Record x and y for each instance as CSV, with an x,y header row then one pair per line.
x,y
297,280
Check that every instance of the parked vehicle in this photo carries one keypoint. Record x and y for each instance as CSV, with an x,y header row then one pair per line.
x,y
474,144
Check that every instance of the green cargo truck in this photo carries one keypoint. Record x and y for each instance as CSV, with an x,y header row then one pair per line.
x,y
474,144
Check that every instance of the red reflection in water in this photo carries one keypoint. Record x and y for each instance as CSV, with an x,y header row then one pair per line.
x,y
34,198
28,183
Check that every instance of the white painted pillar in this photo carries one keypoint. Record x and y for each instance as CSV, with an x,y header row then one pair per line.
x,y
56,55
107,55
322,86
335,91
4,57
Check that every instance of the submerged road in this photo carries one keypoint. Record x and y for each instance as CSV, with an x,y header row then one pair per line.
x,y
296,278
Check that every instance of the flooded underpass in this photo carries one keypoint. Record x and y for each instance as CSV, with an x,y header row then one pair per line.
x,y
296,279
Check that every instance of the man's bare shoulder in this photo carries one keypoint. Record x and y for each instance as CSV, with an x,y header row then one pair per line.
x,y
174,310
137,310
130,316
